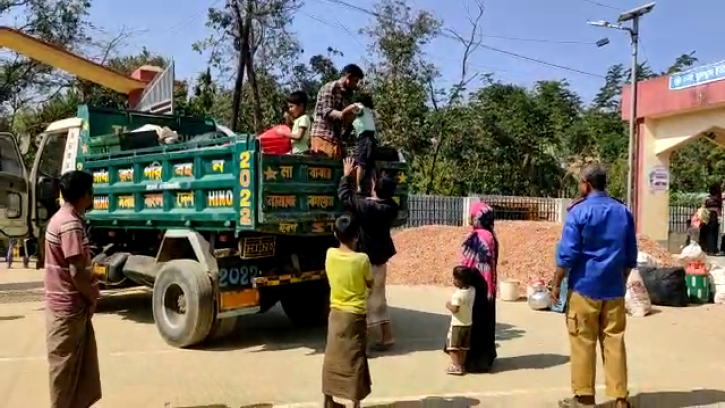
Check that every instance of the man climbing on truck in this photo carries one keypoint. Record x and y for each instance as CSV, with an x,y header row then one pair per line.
x,y
376,216
329,120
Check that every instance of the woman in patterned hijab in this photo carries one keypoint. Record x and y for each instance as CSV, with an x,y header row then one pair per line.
x,y
480,252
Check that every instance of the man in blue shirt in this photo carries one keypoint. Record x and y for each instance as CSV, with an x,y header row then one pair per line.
x,y
598,248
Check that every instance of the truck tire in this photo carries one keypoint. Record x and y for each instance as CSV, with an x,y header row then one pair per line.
x,y
183,303
222,328
307,304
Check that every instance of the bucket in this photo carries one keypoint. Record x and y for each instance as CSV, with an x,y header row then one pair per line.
x,y
698,288
509,290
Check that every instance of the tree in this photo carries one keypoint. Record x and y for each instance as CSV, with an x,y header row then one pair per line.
x,y
478,135
59,22
246,31
311,76
31,120
203,97
400,78
441,119
682,62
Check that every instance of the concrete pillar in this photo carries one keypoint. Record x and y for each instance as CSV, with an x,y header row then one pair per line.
x,y
652,205
467,202
561,205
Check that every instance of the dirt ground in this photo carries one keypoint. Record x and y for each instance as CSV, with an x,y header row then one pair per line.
x,y
676,357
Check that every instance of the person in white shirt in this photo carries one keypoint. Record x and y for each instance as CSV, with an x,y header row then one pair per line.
x,y
461,308
363,123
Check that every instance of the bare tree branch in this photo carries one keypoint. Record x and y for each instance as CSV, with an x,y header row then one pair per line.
x,y
470,44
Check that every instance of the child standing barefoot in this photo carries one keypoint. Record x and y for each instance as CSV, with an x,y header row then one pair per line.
x,y
461,308
345,372
365,129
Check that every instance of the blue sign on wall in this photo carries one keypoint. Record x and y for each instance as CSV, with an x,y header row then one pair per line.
x,y
698,76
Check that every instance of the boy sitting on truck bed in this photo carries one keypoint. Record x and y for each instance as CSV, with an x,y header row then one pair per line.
x,y
300,133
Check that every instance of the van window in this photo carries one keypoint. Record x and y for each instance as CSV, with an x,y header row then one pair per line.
x,y
10,160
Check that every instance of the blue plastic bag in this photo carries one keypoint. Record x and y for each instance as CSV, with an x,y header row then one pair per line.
x,y
560,306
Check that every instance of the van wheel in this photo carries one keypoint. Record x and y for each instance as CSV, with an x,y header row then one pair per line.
x,y
307,304
183,303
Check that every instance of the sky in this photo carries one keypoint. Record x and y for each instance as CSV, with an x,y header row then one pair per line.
x,y
550,26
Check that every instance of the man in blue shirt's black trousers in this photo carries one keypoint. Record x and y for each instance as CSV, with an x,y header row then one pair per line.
x,y
598,249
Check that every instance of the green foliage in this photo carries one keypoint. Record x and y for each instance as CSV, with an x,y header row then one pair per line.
x,y
59,22
491,138
400,78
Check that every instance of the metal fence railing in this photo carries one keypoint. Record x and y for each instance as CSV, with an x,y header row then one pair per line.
x,y
439,210
434,210
523,208
681,214
680,217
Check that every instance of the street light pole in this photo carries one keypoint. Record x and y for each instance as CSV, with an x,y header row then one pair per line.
x,y
633,31
634,39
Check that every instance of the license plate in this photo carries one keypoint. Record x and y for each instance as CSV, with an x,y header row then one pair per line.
x,y
239,299
99,270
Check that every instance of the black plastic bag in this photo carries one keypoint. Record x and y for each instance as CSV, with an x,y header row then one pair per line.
x,y
666,286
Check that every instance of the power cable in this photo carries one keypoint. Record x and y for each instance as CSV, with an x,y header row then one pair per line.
x,y
596,3
641,42
539,40
339,25
488,47
501,37
180,25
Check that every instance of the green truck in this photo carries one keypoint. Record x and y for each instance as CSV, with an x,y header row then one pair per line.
x,y
216,227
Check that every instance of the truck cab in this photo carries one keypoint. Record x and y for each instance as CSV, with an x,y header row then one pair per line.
x,y
28,198
215,226
14,216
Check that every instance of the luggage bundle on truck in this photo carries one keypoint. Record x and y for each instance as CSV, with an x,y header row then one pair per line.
x,y
216,227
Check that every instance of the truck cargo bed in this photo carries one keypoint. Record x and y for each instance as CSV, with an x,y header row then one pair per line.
x,y
220,184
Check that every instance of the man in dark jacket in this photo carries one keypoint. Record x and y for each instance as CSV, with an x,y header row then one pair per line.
x,y
375,215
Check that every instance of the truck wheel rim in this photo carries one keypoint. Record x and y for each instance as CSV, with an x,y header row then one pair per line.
x,y
174,305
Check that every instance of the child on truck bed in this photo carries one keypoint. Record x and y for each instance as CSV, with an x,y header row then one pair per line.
x,y
300,132
364,125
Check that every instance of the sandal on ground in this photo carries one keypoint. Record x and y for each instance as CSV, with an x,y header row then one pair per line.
x,y
574,403
454,370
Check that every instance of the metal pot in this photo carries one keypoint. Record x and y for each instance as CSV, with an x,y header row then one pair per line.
x,y
540,300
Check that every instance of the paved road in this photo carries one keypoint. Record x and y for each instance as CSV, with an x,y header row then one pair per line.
x,y
269,363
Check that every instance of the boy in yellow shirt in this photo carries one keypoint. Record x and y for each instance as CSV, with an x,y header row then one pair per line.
x,y
345,372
